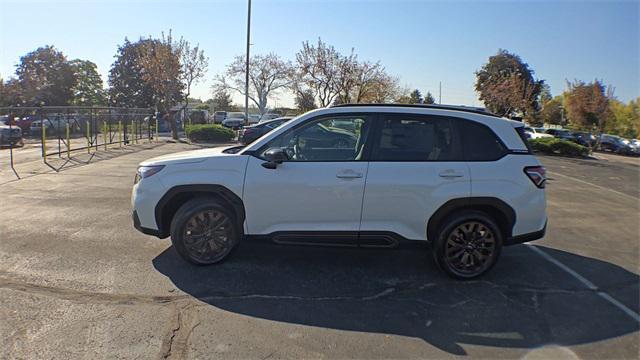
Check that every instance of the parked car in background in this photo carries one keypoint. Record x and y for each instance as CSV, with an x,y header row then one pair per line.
x,y
219,116
617,145
584,138
254,118
536,133
250,133
234,120
10,135
561,134
269,116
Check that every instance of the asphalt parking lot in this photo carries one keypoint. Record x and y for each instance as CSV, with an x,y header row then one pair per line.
x,y
77,281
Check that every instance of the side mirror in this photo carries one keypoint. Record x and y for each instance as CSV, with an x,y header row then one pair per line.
x,y
274,157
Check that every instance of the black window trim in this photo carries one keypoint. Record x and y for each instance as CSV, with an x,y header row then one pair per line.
x,y
371,116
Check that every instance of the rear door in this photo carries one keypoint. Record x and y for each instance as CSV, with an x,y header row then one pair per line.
x,y
416,166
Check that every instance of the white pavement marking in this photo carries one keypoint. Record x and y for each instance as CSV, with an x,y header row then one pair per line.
x,y
587,283
594,185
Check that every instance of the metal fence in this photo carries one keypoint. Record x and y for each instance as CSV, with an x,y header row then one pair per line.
x,y
62,131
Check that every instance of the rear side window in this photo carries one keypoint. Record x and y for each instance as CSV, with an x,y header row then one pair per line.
x,y
415,138
479,142
523,136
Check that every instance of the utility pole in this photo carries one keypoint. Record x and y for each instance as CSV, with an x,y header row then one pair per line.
x,y
246,77
440,93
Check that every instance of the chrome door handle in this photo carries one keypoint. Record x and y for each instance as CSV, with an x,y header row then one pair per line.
x,y
451,174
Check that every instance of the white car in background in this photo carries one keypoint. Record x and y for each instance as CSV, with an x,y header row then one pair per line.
x,y
536,133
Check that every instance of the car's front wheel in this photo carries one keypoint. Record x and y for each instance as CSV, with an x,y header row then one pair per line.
x,y
467,245
204,232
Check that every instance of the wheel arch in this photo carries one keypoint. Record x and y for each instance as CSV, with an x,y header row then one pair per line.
x,y
501,212
178,195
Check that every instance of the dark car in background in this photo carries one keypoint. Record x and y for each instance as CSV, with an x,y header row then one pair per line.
x,y
584,138
250,133
617,145
561,134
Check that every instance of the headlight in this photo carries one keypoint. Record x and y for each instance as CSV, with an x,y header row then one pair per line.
x,y
146,171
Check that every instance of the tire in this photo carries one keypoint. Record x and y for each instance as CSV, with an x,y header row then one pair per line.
x,y
204,232
460,254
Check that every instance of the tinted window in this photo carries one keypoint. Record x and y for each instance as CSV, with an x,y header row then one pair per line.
x,y
479,142
415,138
323,140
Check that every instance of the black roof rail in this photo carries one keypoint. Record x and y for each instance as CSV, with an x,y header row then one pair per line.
x,y
469,109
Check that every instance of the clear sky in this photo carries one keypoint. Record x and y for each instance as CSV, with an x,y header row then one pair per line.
x,y
421,42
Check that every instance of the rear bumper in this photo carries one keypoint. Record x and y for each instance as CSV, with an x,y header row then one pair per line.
x,y
519,239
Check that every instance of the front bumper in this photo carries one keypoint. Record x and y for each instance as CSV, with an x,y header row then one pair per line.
x,y
139,227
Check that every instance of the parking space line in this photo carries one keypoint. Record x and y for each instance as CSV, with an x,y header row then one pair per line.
x,y
594,185
586,282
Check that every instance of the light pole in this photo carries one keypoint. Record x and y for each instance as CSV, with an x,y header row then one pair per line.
x,y
246,71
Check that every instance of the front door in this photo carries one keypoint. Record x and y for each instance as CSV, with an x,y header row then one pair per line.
x,y
317,192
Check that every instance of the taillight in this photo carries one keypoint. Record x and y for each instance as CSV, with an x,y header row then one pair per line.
x,y
537,174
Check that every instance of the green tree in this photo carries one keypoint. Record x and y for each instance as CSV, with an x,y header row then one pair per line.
x,y
88,89
624,119
127,87
429,99
45,78
194,67
587,104
221,101
507,86
415,97
10,94
552,111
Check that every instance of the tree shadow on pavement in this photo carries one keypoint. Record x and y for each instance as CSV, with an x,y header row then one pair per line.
x,y
524,302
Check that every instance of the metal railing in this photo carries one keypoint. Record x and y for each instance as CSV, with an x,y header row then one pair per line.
x,y
62,130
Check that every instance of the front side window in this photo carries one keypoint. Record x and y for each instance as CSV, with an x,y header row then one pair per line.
x,y
338,138
416,138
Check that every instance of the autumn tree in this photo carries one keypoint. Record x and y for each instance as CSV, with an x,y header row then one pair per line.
x,y
162,73
587,104
507,87
88,89
268,74
194,66
127,87
45,78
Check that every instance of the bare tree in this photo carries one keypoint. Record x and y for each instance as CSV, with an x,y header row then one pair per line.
x,y
194,66
267,74
318,69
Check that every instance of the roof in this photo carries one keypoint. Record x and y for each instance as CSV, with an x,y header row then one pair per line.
x,y
475,110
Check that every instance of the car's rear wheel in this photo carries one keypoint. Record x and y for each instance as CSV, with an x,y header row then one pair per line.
x,y
467,245
204,232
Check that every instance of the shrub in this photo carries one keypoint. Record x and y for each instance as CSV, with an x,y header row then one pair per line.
x,y
555,146
209,132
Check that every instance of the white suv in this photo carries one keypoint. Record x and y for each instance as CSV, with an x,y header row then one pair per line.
x,y
355,175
